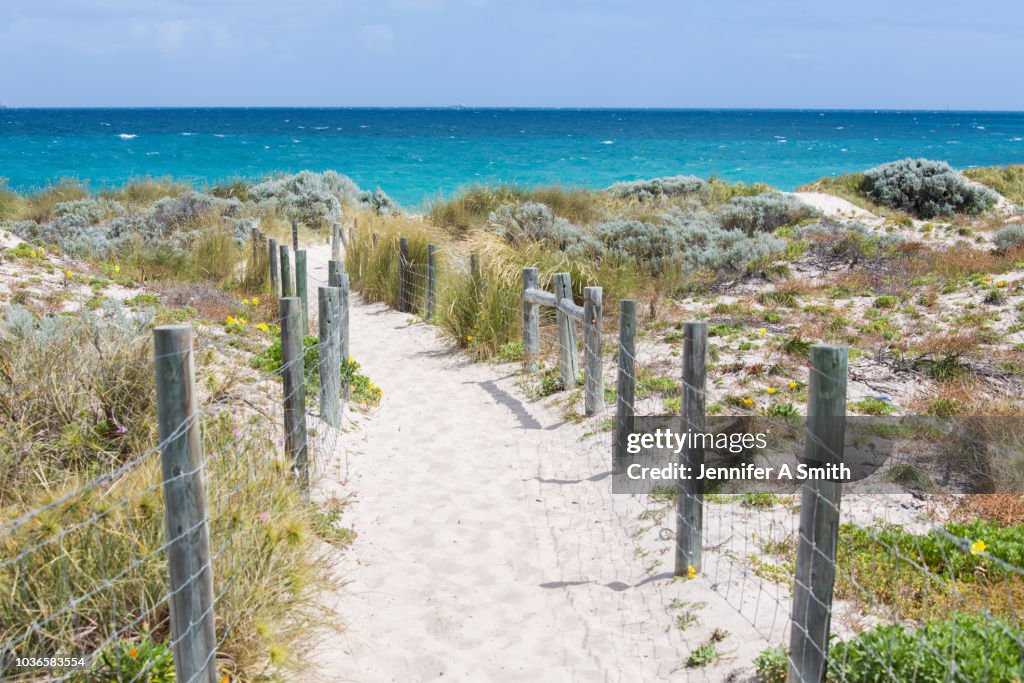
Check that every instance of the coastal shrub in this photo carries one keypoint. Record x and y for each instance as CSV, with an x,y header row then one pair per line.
x,y
650,244
712,248
926,188
763,212
976,647
679,239
1010,237
316,199
673,186
532,222
313,198
834,243
91,210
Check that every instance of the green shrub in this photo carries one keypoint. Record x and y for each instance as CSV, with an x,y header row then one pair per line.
x,y
772,665
533,222
967,647
763,212
926,188
1010,237
644,190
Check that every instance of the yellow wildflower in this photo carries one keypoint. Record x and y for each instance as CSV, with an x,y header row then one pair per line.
x,y
690,572
469,337
763,330
133,653
224,679
117,268
770,390
69,274
262,327
1001,283
978,547
255,301
748,401
231,320
793,385
242,321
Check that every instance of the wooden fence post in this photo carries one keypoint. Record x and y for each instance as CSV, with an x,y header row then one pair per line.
x,y
431,280
568,354
531,321
690,492
286,272
293,376
335,270
254,237
815,572
593,316
336,242
625,391
302,288
274,269
329,301
474,267
188,537
403,275
337,277
295,235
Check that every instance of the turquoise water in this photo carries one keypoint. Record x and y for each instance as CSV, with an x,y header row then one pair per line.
x,y
417,154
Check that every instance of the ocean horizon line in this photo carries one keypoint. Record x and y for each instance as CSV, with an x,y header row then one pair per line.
x,y
457,107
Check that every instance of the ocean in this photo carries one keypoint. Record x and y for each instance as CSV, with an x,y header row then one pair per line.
x,y
416,155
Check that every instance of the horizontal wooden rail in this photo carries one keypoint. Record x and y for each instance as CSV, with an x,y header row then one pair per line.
x,y
539,296
571,309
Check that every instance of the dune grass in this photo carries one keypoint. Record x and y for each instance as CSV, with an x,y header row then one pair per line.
x,y
77,404
470,207
1006,180
141,192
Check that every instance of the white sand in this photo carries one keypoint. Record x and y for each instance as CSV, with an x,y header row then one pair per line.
x,y
490,547
479,555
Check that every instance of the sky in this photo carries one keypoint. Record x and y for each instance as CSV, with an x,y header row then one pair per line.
x,y
869,54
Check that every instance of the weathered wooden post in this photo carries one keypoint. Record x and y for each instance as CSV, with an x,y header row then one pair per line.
x,y
188,538
403,275
474,268
690,492
254,237
431,280
569,361
814,576
286,272
329,301
336,242
593,316
275,286
625,389
531,321
295,235
302,288
337,277
293,378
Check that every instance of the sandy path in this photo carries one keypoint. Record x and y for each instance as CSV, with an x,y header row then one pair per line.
x,y
489,546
